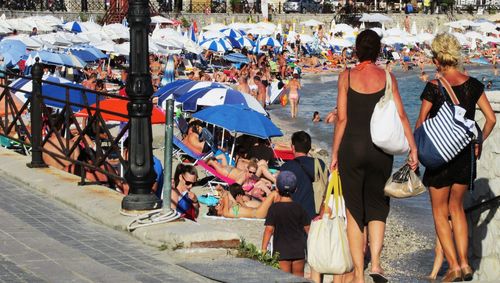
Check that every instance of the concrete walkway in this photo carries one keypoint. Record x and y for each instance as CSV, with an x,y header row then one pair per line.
x,y
41,240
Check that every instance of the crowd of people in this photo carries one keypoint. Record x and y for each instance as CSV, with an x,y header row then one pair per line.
x,y
288,204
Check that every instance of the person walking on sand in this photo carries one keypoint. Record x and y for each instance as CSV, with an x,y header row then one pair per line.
x,y
448,184
293,87
363,167
288,222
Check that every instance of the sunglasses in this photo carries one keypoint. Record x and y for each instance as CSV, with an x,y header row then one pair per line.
x,y
188,183
252,172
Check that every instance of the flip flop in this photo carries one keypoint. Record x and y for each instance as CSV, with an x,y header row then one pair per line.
x,y
378,277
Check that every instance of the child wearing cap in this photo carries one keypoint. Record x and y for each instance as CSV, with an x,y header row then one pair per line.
x,y
289,223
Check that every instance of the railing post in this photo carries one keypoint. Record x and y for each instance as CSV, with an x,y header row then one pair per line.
x,y
140,174
190,6
36,117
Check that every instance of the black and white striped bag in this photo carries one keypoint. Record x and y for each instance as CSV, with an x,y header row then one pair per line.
x,y
443,137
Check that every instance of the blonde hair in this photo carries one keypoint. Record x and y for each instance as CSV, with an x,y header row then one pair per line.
x,y
446,50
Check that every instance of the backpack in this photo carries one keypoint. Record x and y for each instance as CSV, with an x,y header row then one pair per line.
x,y
319,182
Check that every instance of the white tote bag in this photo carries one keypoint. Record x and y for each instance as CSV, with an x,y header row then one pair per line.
x,y
385,126
327,246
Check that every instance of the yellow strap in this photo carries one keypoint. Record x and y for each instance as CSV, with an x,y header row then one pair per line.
x,y
335,186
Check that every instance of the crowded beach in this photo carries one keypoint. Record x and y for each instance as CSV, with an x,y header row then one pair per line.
x,y
235,164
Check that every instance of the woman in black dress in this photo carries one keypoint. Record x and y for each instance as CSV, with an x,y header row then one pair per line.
x,y
363,167
448,184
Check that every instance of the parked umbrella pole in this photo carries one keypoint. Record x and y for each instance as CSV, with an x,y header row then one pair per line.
x,y
234,143
167,169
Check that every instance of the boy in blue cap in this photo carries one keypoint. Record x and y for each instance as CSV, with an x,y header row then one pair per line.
x,y
289,223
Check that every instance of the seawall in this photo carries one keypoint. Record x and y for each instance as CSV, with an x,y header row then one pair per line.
x,y
484,223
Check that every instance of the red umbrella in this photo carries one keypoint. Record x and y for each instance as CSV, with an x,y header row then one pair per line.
x,y
114,109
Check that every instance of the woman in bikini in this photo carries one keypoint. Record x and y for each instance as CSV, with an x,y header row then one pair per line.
x,y
231,209
293,95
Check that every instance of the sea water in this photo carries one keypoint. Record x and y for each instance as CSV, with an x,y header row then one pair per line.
x,y
319,93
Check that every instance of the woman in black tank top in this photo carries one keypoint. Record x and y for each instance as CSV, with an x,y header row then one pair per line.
x,y
363,167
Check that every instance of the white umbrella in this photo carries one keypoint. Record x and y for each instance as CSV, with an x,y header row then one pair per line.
x,y
161,20
214,26
374,18
108,46
311,23
344,28
267,26
332,25
379,31
336,41
362,25
116,31
395,32
210,34
260,31
241,26
424,37
31,43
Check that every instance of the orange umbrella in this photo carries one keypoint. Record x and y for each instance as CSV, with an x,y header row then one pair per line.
x,y
114,109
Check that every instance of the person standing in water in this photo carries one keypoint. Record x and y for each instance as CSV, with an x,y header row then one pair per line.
x,y
293,96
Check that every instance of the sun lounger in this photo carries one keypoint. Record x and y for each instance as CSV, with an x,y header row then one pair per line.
x,y
183,150
222,180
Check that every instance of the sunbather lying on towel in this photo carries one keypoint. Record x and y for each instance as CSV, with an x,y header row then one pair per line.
x,y
239,175
231,209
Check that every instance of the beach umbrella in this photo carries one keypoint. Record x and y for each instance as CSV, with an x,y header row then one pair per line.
x,y
344,28
233,33
31,43
379,31
214,26
115,109
311,23
239,119
73,61
260,31
74,26
4,29
236,58
161,20
241,26
116,31
12,51
266,25
340,42
269,41
211,34
47,57
362,27
217,45
241,42
218,96
55,95
305,38
176,89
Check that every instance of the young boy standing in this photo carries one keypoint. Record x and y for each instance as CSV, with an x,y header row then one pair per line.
x,y
289,223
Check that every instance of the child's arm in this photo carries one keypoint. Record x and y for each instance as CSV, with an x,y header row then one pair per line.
x,y
268,232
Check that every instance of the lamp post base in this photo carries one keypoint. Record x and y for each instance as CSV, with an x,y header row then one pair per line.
x,y
141,202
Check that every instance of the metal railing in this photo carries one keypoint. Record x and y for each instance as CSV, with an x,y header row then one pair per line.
x,y
65,132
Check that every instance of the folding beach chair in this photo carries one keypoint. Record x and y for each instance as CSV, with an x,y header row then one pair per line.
x,y
219,179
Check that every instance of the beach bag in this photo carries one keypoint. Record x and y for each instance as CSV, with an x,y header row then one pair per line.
x,y
386,128
284,100
327,246
404,183
319,182
443,137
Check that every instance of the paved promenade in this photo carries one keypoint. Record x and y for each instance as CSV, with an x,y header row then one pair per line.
x,y
44,241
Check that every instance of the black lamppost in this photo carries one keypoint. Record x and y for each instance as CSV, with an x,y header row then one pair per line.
x,y
140,174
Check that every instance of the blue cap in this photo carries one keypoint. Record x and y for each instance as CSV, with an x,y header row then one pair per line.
x,y
286,182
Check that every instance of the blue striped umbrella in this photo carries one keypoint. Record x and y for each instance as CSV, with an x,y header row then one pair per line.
x,y
23,87
233,33
242,42
217,45
269,41
212,96
177,88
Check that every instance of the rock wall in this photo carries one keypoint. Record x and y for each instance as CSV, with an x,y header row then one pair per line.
x,y
484,224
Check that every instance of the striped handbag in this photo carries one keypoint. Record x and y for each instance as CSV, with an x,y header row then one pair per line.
x,y
445,135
